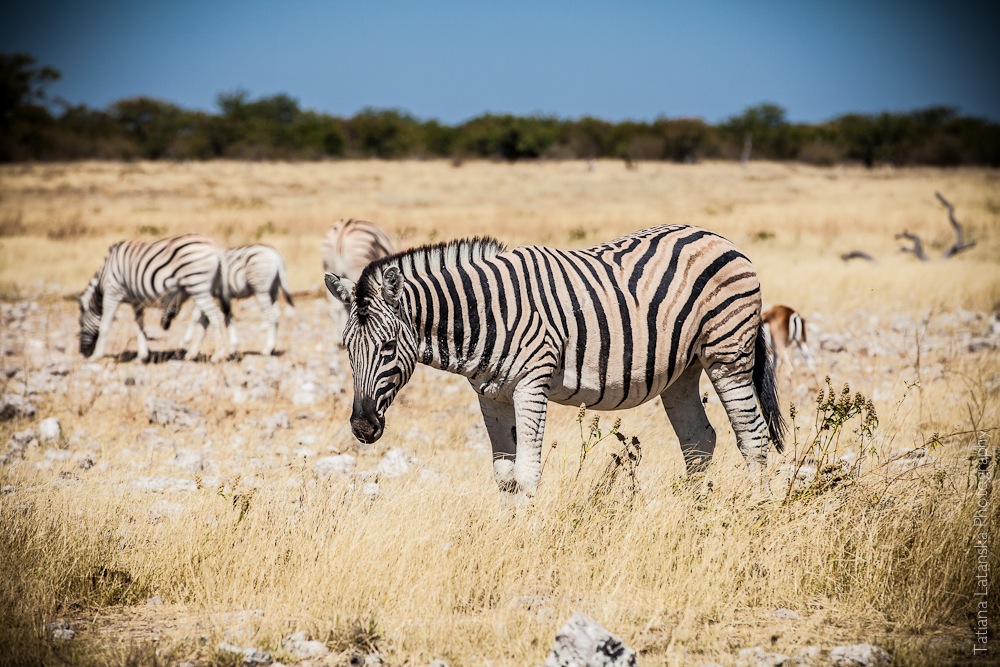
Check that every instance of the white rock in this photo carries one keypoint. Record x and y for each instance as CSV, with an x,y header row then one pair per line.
x,y
808,655
582,642
341,464
155,601
784,614
168,413
189,460
277,421
758,657
60,630
251,656
371,489
859,655
301,647
395,463
49,430
15,405
24,437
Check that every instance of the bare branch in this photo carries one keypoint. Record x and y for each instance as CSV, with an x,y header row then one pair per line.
x,y
959,245
857,254
918,247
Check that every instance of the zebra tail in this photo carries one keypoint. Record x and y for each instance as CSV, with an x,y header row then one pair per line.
x,y
221,288
766,385
283,284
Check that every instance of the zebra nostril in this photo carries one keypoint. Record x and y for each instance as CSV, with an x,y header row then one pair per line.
x,y
365,430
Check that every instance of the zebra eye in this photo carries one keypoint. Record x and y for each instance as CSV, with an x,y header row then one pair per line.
x,y
388,346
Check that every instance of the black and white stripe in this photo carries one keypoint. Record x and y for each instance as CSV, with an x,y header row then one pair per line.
x,y
348,247
257,271
611,327
145,274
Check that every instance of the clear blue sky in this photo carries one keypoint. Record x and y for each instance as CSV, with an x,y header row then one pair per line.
x,y
454,60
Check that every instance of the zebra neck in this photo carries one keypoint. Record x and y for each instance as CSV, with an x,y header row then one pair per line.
x,y
446,321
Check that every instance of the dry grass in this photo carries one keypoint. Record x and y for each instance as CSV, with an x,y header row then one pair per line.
x,y
792,220
435,566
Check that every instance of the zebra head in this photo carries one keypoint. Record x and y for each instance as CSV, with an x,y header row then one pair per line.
x,y
380,342
91,307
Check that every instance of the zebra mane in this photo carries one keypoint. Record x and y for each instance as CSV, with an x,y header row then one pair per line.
x,y
417,260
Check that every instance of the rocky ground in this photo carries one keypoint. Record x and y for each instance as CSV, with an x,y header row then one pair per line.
x,y
154,424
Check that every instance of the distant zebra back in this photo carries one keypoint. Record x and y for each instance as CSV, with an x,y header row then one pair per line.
x,y
351,244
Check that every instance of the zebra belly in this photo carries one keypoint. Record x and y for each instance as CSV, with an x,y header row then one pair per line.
x,y
612,397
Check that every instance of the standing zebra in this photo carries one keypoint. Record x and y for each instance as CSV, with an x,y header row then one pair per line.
x,y
348,247
252,271
611,327
144,274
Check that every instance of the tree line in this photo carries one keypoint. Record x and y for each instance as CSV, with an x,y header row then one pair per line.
x,y
275,127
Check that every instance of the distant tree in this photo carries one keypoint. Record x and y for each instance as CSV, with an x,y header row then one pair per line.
x,y
683,139
24,119
383,133
763,125
22,85
439,140
153,124
508,137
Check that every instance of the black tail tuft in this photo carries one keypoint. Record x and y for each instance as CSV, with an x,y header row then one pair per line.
x,y
766,385
221,290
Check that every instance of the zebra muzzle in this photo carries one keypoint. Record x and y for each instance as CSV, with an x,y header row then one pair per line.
x,y
366,424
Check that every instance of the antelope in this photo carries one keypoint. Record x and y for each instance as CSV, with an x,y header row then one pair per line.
x,y
785,328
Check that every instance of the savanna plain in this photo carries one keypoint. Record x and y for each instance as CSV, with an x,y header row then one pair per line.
x,y
185,507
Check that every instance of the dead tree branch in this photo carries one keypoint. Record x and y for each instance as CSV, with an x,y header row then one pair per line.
x,y
857,254
918,247
959,245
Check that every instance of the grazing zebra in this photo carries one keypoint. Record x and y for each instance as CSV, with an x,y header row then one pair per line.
x,y
252,271
785,329
348,247
611,327
144,274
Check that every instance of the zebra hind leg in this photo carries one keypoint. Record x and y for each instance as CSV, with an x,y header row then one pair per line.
x,y
211,314
686,412
734,384
269,306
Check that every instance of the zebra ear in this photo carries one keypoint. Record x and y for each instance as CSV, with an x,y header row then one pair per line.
x,y
341,288
392,284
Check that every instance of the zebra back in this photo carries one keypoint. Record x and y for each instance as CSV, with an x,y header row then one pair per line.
x,y
143,272
351,244
254,269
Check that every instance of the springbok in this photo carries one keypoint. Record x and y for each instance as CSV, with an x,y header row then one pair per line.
x,y
785,328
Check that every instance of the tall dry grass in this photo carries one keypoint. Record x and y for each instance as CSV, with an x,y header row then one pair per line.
x,y
436,566
790,219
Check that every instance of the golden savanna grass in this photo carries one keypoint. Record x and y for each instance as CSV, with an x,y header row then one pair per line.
x,y
435,566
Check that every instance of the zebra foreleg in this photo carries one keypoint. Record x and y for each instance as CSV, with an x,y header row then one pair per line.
x,y
140,333
109,306
686,412
735,389
502,428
